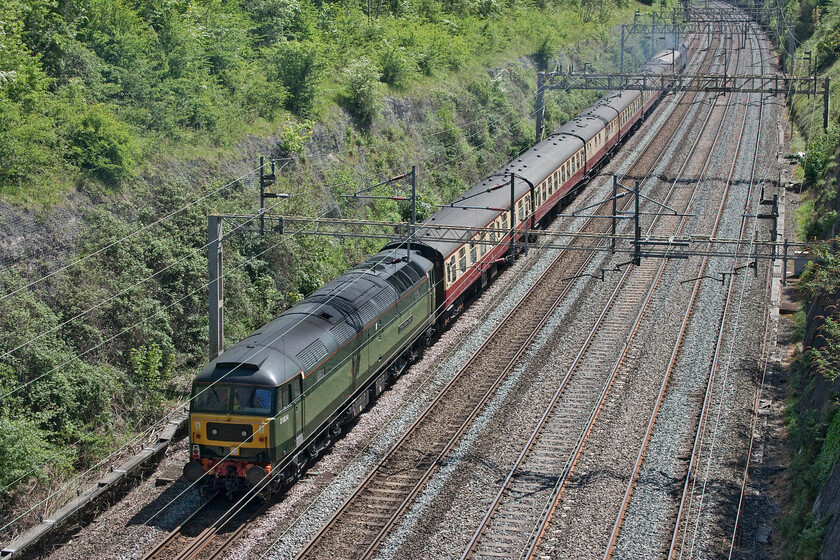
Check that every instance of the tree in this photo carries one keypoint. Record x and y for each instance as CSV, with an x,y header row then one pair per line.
x,y
362,79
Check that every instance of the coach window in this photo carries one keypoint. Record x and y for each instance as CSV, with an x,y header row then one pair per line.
x,y
519,210
473,257
462,259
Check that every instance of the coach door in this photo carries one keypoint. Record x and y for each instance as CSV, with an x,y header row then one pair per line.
x,y
299,404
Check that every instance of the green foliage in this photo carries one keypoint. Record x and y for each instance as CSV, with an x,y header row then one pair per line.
x,y
819,159
297,67
814,451
150,365
365,99
24,454
395,65
830,451
545,52
825,357
27,141
277,19
89,89
597,10
817,215
102,146
294,136
822,277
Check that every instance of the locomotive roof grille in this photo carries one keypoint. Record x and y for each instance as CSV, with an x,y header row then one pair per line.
x,y
343,332
367,313
312,354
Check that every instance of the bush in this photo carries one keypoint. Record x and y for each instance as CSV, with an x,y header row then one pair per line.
x,y
264,97
276,19
545,53
395,66
25,143
150,365
297,68
102,146
365,98
24,451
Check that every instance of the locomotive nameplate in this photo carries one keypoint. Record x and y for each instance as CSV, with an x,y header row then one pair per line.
x,y
405,324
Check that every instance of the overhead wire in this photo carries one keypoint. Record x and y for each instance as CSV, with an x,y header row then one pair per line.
x,y
61,489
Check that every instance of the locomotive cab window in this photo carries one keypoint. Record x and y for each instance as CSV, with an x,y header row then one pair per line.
x,y
252,400
210,398
284,397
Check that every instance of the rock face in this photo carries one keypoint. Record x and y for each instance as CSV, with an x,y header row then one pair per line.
x,y
821,395
828,505
27,237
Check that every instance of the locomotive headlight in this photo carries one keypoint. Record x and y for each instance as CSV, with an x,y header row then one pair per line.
x,y
214,432
244,433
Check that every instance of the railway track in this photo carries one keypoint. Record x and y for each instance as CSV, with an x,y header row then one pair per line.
x,y
523,506
653,485
210,530
692,496
366,517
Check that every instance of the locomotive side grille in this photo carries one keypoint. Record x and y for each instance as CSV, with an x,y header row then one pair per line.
x,y
229,432
312,354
